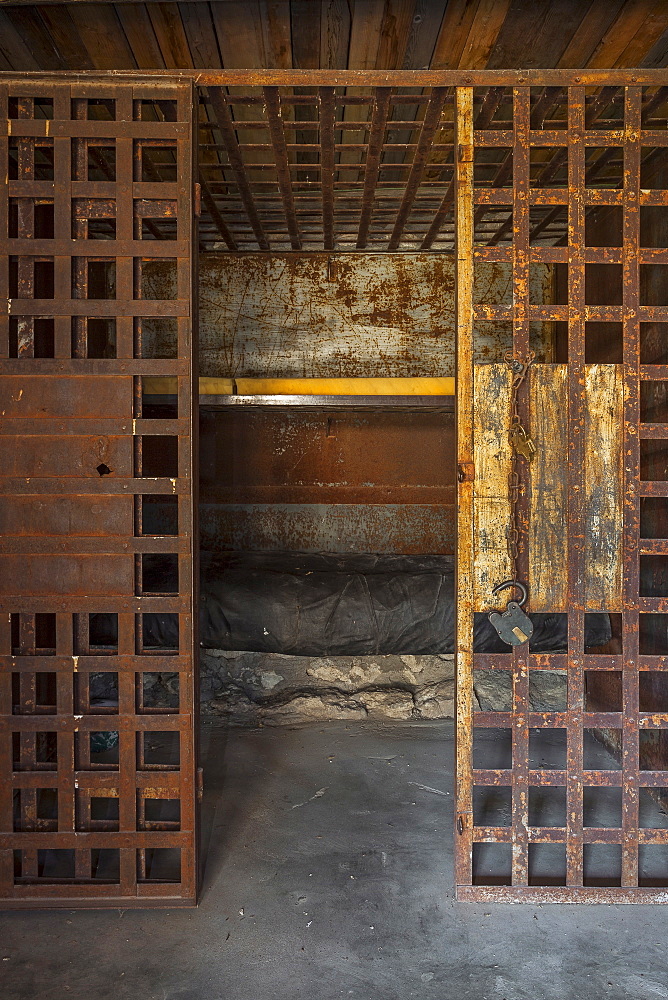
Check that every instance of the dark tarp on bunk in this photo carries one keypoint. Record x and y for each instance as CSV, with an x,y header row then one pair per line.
x,y
341,605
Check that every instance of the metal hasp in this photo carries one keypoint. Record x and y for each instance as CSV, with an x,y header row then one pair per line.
x,y
97,737
580,169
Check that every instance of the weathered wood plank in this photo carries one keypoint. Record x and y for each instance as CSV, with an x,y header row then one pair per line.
x,y
604,485
548,543
491,510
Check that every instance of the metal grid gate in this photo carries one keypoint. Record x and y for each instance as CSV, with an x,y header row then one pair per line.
x,y
589,161
97,582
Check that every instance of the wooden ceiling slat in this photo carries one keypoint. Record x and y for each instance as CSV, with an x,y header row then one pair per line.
x,y
32,30
335,23
423,33
624,27
277,134
305,16
13,48
394,33
457,22
596,21
276,33
60,26
657,57
365,28
171,36
239,30
140,35
650,31
100,31
536,34
201,35
489,20
381,110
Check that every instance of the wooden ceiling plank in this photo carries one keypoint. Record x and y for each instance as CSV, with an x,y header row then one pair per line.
x,y
239,30
423,33
13,48
482,38
277,34
394,33
200,35
626,24
595,23
365,29
34,35
305,16
457,22
335,21
171,36
60,26
657,57
651,30
534,35
141,37
100,31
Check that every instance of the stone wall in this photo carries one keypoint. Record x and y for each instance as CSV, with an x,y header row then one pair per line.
x,y
252,688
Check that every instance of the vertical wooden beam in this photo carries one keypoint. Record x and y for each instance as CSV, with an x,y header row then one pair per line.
x,y
465,459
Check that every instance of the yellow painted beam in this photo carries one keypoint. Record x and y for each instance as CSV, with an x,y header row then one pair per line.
x,y
159,385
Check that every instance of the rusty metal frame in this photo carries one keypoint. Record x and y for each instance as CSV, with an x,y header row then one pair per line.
x,y
579,131
75,483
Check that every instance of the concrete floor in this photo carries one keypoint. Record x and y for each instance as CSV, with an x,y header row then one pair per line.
x,y
328,875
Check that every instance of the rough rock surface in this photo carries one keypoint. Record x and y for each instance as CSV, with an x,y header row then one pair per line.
x,y
273,688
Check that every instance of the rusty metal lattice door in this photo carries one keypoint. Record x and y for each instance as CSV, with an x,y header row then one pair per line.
x,y
97,582
579,172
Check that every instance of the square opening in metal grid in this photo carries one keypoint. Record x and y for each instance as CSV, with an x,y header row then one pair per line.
x,y
601,749
159,514
159,456
158,162
158,278
160,750
159,573
548,166
603,690
34,751
159,813
547,805
159,691
602,806
104,814
603,226
160,864
653,808
492,864
653,748
603,285
602,864
34,694
547,749
547,864
159,633
492,805
35,810
102,693
158,336
492,748
653,627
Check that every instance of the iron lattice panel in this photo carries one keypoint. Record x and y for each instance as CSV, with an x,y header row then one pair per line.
x,y
97,582
570,152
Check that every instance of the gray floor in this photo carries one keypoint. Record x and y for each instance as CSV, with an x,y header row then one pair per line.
x,y
329,874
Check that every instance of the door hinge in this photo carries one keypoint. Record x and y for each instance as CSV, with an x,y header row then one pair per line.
x,y
198,200
200,783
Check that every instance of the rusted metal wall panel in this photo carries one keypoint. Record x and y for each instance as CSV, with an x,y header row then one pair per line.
x,y
81,196
318,315
411,529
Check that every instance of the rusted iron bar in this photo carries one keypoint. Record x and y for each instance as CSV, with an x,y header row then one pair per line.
x,y
381,110
273,105
225,123
218,220
327,117
429,128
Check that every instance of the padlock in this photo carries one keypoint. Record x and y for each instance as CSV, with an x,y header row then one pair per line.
x,y
513,626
